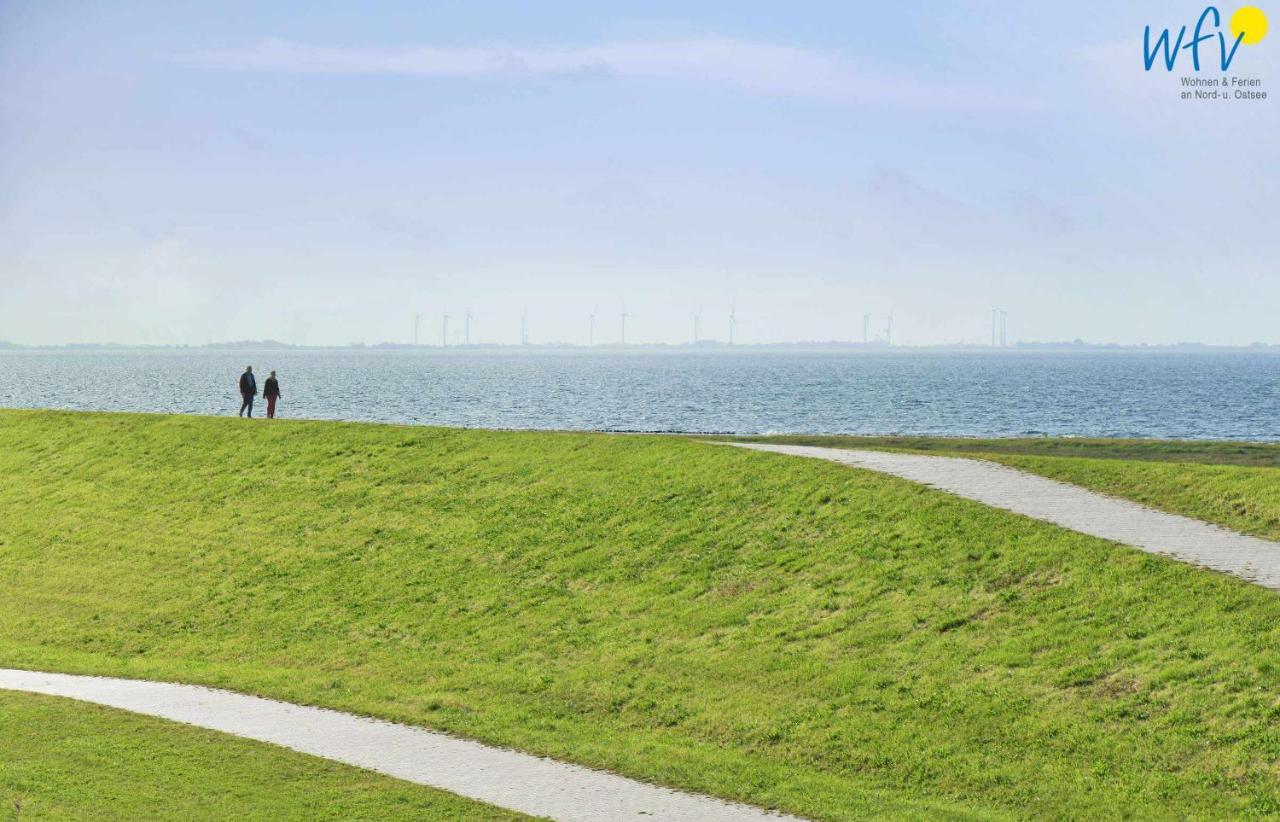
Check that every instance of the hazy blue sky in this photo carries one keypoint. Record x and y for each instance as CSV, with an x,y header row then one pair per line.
x,y
319,172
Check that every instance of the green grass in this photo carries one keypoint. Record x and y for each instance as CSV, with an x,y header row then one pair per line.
x,y
67,760
788,632
1236,485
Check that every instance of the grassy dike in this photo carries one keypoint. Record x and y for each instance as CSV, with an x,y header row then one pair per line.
x,y
61,759
787,632
1232,484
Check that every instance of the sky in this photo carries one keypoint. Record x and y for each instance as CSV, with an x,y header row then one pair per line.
x,y
319,173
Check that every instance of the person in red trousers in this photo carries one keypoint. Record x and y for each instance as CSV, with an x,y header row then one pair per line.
x,y
271,393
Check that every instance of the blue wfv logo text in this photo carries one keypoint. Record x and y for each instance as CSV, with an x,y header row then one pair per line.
x,y
1248,25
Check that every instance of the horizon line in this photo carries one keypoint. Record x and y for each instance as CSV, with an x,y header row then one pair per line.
x,y
879,345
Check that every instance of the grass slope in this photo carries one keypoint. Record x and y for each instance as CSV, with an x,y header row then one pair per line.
x,y
68,760
783,631
1232,484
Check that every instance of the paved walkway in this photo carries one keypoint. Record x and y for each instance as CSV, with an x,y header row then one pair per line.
x,y
508,779
1199,543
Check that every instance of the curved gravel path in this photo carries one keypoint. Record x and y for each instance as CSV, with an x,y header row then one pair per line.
x,y
508,779
1198,543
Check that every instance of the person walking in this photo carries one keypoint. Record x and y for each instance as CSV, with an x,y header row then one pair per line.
x,y
248,390
271,393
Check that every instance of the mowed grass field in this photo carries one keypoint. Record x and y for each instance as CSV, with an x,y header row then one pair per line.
x,y
1233,484
61,759
782,631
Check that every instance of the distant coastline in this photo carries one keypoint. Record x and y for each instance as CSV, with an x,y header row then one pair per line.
x,y
703,345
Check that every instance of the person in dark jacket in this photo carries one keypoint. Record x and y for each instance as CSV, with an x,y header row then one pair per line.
x,y
271,393
248,390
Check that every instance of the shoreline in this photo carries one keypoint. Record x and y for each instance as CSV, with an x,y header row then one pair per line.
x,y
690,433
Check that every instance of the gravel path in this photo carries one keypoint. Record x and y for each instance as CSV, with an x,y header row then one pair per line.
x,y
508,779
1192,541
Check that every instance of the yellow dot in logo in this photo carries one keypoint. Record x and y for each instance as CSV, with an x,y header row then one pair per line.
x,y
1251,22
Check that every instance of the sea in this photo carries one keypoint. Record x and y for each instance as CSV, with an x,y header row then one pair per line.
x,y
1228,395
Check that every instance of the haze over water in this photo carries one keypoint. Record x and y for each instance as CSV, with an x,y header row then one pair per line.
x,y
1217,395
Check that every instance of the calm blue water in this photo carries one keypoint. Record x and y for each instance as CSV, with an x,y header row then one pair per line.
x,y
1183,395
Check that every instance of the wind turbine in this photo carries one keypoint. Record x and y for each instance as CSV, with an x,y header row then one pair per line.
x,y
866,328
466,335
444,332
625,315
697,320
591,330
733,322
888,330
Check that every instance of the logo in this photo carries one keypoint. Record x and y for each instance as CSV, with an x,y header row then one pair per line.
x,y
1247,26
